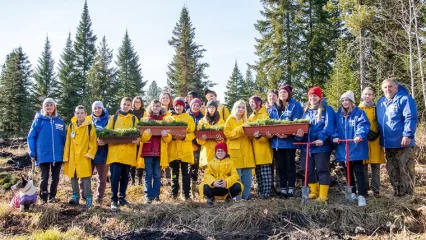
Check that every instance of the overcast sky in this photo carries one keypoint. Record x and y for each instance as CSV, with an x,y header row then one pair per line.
x,y
224,28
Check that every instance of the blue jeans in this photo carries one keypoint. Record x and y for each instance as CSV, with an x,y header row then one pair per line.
x,y
152,177
119,178
245,178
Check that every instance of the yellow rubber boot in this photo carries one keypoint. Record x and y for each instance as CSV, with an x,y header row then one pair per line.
x,y
323,193
313,190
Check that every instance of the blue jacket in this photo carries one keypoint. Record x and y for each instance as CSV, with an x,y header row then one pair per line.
x,y
319,130
46,139
354,125
99,123
397,118
294,111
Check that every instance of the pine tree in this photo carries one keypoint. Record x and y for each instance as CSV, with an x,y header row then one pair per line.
x,y
153,92
85,51
70,89
129,76
15,107
235,87
102,77
46,83
249,84
186,71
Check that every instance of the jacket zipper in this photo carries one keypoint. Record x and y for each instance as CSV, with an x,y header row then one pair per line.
x,y
53,140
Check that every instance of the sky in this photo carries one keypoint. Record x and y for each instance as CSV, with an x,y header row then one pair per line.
x,y
224,28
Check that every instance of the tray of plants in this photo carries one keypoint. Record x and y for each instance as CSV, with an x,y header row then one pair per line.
x,y
276,126
157,126
210,132
118,136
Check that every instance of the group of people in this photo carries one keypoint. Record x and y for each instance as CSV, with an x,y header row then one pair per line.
x,y
375,131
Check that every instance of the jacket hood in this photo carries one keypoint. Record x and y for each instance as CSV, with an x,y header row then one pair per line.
x,y
40,115
354,111
402,91
87,121
104,115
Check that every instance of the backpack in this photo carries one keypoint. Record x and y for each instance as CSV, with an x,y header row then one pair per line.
x,y
89,127
115,120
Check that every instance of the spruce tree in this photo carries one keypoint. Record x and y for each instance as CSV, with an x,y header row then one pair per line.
x,y
249,84
129,76
235,87
101,77
46,83
186,71
85,51
153,92
69,87
15,107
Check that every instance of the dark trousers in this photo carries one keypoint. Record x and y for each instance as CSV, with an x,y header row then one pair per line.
x,y
52,170
102,170
375,177
287,167
119,179
357,170
193,168
210,192
136,172
184,167
318,167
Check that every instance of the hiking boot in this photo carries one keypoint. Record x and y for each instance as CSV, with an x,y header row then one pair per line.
x,y
43,198
89,203
52,199
188,199
114,206
75,199
123,202
354,196
238,198
99,200
290,193
361,201
209,202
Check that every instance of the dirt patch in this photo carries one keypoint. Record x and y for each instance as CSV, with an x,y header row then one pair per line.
x,y
176,233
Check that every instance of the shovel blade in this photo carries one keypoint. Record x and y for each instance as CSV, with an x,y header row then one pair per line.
x,y
305,194
348,193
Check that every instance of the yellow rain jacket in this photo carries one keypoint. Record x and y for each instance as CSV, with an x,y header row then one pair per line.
x,y
222,110
261,147
220,169
164,160
239,145
182,149
207,147
375,150
122,153
80,151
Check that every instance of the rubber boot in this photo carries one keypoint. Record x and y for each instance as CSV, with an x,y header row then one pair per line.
x,y
323,193
89,203
313,190
74,199
194,189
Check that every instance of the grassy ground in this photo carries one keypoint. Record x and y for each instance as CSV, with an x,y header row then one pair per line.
x,y
384,218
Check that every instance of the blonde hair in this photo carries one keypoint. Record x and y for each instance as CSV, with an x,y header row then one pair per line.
x,y
170,106
320,109
234,109
349,110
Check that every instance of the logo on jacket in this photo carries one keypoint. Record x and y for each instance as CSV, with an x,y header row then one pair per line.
x,y
59,127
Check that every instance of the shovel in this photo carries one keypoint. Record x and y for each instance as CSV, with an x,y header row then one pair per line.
x,y
305,188
348,187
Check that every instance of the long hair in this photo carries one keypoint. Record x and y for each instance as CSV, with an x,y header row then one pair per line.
x,y
133,102
349,109
170,106
234,109
212,120
321,108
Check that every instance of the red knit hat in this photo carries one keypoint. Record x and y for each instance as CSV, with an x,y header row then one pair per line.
x,y
315,90
179,101
221,145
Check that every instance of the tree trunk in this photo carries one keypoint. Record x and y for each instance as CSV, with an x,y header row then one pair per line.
x,y
362,69
410,45
419,51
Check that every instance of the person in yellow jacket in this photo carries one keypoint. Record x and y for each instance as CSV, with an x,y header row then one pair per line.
x,y
240,147
222,109
209,120
376,154
80,150
262,150
121,156
154,153
180,150
221,177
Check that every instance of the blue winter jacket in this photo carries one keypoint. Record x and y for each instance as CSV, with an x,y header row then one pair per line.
x,y
99,123
46,139
354,125
397,118
293,111
319,130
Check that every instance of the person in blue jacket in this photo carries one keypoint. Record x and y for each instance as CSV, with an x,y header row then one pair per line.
x,y
322,123
46,141
352,123
100,118
282,145
397,119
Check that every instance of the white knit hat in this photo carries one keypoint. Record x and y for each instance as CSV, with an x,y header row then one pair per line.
x,y
349,94
97,104
49,100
